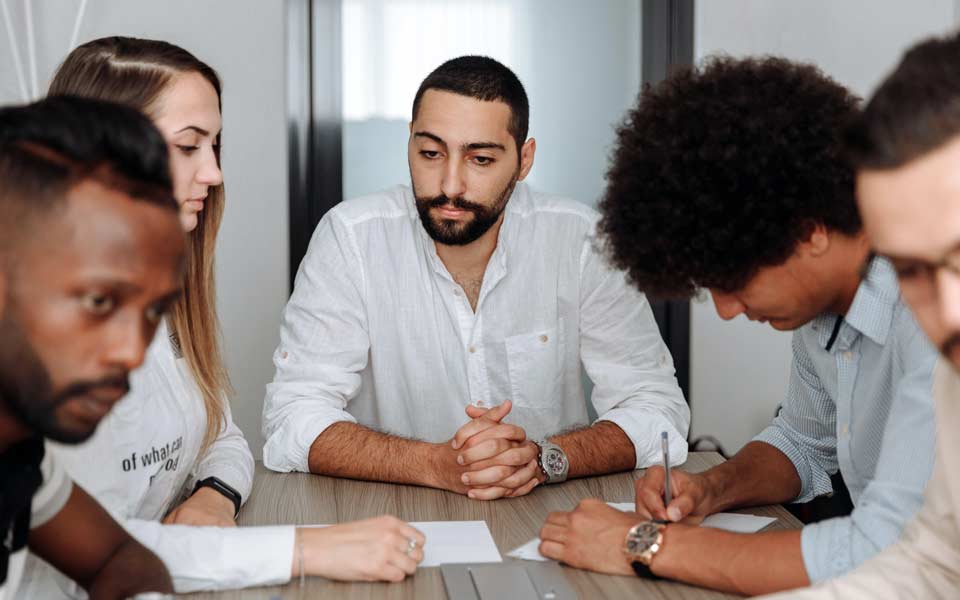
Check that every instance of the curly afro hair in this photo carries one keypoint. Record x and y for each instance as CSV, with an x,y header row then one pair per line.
x,y
723,170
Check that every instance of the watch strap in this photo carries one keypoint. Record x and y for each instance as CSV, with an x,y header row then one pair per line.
x,y
643,571
224,489
543,471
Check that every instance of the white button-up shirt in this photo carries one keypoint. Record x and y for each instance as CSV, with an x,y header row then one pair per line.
x,y
378,332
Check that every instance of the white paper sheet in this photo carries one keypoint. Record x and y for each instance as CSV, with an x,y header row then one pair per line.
x,y
455,542
727,521
528,551
451,542
736,522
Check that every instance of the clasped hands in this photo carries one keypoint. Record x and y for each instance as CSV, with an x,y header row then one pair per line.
x,y
489,459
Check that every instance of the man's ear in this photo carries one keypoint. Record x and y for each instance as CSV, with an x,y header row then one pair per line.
x,y
527,152
818,242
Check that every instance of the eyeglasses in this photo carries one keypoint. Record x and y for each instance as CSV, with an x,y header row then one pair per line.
x,y
918,278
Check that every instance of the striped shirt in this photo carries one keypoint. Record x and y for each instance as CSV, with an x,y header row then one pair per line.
x,y
865,407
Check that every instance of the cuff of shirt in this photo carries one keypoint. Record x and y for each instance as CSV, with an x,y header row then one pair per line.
x,y
644,431
813,482
826,548
288,447
228,473
273,548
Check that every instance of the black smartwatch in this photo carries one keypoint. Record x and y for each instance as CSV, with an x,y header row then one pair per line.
x,y
218,485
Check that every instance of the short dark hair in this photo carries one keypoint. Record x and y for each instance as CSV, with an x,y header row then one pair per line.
x,y
486,79
48,147
722,170
915,110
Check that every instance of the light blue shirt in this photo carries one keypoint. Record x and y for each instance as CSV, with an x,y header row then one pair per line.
x,y
864,407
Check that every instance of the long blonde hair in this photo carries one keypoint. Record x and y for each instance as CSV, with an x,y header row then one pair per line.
x,y
135,72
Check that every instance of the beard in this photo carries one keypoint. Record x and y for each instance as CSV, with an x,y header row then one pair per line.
x,y
460,233
26,388
948,347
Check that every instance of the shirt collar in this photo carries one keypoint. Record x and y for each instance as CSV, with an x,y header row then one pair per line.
x,y
874,304
520,203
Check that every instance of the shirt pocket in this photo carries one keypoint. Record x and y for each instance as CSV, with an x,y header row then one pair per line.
x,y
535,366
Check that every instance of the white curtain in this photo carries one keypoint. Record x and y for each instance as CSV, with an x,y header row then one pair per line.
x,y
389,46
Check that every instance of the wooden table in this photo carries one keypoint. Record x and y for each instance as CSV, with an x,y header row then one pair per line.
x,y
301,498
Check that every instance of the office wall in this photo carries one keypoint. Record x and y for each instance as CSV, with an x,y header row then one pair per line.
x,y
739,368
856,41
245,41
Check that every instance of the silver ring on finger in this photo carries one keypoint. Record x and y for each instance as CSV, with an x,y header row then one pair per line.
x,y
411,546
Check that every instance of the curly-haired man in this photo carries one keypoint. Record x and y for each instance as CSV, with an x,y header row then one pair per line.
x,y
731,178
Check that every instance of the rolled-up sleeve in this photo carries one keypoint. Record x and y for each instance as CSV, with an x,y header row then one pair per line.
x,y
324,346
925,561
895,492
635,385
805,429
922,564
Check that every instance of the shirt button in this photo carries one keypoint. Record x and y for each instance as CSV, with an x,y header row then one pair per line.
x,y
479,403
284,355
848,355
544,339
472,349
846,430
457,292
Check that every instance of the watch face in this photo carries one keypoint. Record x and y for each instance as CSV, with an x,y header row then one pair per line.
x,y
555,462
643,537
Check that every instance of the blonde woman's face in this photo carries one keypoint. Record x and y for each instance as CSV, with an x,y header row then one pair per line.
x,y
188,116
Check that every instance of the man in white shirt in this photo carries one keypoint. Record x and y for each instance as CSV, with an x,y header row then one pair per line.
x,y
467,293
91,251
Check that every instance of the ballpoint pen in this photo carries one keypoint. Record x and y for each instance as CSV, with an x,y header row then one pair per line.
x,y
665,446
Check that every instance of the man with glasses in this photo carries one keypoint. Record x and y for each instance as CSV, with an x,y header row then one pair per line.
x,y
730,178
906,146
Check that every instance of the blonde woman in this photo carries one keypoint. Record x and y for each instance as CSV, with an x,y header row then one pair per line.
x,y
169,454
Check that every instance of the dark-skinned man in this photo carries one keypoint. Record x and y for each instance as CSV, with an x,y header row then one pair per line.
x,y
91,256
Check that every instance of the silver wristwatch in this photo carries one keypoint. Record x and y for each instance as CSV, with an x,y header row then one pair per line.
x,y
553,462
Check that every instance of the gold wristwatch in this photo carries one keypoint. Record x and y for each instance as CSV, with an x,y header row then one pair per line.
x,y
643,542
